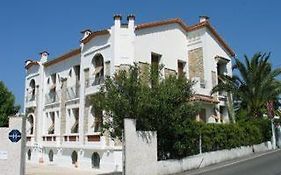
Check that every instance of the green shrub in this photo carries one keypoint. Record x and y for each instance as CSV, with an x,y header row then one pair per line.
x,y
219,136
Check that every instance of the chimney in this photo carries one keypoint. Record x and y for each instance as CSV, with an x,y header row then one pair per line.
x,y
44,56
117,20
203,18
131,21
27,62
86,33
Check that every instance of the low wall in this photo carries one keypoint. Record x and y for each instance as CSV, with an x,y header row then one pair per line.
x,y
209,158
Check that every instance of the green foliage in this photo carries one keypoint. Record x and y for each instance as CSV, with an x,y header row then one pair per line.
x,y
254,86
220,136
162,106
7,105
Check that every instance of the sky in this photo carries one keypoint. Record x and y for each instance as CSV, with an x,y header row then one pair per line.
x,y
31,26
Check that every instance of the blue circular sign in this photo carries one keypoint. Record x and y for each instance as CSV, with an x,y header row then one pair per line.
x,y
14,135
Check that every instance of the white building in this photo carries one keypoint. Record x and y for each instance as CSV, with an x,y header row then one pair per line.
x,y
62,126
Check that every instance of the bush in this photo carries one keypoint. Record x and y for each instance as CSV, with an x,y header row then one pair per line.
x,y
219,136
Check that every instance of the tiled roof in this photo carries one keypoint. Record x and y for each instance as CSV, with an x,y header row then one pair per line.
x,y
32,63
145,26
94,34
161,23
63,57
214,32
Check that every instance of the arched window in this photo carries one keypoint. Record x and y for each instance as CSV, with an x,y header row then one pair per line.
x,y
51,156
95,160
29,154
74,157
98,119
98,63
32,90
30,127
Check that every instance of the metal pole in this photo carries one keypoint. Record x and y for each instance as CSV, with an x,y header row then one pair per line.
x,y
200,144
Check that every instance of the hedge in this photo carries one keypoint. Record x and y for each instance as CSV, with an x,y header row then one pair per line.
x,y
219,136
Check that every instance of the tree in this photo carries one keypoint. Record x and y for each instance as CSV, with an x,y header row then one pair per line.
x,y
7,105
255,85
163,106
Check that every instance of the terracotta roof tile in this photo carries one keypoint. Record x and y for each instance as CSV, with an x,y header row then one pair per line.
x,y
204,98
63,57
161,23
214,32
32,63
95,34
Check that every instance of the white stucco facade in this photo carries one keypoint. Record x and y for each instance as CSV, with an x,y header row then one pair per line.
x,y
63,128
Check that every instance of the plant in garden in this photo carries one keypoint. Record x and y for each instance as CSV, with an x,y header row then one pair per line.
x,y
7,105
163,106
255,85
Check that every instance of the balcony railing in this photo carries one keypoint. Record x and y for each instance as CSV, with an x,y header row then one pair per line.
x,y
30,98
73,92
94,81
51,97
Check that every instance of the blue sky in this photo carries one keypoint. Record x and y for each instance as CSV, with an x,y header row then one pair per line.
x,y
28,27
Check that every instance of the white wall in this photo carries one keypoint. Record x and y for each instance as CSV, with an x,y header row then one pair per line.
x,y
13,163
202,160
140,150
168,41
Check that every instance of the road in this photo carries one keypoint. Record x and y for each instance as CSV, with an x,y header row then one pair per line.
x,y
261,164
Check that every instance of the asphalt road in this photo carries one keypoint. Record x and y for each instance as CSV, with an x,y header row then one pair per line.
x,y
268,164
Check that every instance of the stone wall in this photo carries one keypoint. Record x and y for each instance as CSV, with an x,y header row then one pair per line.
x,y
12,155
195,63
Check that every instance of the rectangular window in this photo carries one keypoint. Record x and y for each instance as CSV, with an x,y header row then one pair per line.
x,y
54,78
107,68
181,68
155,60
75,126
202,115
77,72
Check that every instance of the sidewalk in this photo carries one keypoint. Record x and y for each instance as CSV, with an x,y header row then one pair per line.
x,y
36,169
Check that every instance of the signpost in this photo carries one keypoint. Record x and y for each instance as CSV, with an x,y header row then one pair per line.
x,y
14,135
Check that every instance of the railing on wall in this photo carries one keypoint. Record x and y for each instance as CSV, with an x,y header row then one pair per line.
x,y
73,92
94,81
52,97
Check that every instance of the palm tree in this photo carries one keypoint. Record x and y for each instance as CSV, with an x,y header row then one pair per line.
x,y
255,85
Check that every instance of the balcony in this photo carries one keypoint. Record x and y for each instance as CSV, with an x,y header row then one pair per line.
x,y
52,97
30,100
71,138
94,81
73,92
49,138
222,95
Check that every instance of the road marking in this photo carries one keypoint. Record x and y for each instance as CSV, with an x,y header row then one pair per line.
x,y
232,163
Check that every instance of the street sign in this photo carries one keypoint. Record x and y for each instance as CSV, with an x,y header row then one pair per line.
x,y
14,135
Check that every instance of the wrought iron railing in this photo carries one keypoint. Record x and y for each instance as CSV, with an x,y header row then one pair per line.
x,y
94,81
73,92
52,97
